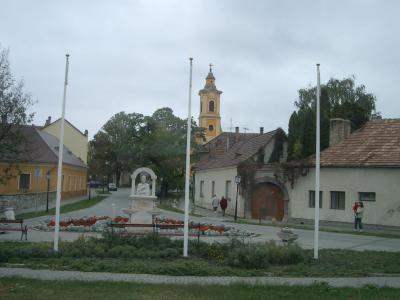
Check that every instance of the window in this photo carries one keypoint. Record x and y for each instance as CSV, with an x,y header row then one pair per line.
x,y
211,106
338,200
69,184
24,182
202,188
311,199
212,188
228,189
363,196
201,107
210,127
62,183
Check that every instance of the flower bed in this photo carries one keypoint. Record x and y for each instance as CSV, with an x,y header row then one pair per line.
x,y
85,224
100,223
204,228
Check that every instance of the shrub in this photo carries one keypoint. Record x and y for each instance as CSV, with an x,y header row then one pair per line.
x,y
259,256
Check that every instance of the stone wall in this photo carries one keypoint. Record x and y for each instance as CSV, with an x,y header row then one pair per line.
x,y
27,201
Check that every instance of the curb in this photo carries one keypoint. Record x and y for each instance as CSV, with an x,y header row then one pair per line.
x,y
353,282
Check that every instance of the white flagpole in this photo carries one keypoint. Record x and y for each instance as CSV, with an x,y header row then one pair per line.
x,y
317,166
60,155
189,127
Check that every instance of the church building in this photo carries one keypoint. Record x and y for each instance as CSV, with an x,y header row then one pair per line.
x,y
210,118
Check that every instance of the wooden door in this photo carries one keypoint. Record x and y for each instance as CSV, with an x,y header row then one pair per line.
x,y
267,201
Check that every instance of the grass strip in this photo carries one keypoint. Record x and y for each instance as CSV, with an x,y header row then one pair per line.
x,y
19,288
64,209
100,191
168,207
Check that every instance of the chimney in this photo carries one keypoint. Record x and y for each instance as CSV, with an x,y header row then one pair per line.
x,y
261,130
48,121
338,131
86,132
236,134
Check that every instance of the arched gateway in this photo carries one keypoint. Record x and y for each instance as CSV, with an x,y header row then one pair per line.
x,y
269,199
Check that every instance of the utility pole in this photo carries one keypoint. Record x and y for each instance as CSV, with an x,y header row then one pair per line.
x,y
60,156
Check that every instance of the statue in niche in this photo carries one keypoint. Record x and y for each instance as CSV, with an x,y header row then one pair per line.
x,y
143,188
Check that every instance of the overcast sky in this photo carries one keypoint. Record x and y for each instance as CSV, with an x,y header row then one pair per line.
x,y
132,56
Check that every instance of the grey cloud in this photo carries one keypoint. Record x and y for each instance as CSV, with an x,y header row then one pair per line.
x,y
133,55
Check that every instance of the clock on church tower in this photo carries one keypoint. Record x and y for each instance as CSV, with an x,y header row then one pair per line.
x,y
210,118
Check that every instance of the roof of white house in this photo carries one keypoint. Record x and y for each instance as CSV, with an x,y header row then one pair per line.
x,y
376,144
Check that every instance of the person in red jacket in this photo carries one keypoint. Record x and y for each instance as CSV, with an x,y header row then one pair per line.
x,y
356,205
224,204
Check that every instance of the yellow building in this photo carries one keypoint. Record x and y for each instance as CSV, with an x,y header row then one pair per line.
x,y
74,139
210,118
33,171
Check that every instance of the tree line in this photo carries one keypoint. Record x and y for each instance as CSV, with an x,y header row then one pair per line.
x,y
131,140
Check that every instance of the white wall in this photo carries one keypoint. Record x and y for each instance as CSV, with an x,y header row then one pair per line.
x,y
220,176
385,182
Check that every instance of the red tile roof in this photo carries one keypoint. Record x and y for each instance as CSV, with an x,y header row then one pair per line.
x,y
217,154
40,147
376,144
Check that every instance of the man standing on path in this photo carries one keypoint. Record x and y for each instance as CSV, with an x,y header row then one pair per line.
x,y
224,204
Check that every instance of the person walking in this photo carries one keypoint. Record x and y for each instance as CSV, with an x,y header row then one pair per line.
x,y
224,204
215,203
355,206
358,217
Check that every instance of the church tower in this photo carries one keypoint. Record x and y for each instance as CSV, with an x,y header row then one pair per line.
x,y
210,118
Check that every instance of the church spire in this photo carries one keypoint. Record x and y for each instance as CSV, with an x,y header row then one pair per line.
x,y
210,118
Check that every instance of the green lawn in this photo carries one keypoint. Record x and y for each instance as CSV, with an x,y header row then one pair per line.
x,y
21,289
64,209
166,206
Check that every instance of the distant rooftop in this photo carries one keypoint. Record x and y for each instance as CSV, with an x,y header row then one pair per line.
x,y
41,147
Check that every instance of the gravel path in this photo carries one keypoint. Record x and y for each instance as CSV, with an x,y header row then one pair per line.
x,y
224,280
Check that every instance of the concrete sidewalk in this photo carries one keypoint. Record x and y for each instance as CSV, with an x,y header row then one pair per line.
x,y
342,226
353,282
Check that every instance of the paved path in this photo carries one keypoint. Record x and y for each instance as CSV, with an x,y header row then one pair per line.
x,y
354,282
306,237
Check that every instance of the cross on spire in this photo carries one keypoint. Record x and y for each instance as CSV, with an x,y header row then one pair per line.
x,y
211,65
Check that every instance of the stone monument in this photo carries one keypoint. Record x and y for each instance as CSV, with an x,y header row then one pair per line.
x,y
143,209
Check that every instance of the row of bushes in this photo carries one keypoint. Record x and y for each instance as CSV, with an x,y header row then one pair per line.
x,y
234,253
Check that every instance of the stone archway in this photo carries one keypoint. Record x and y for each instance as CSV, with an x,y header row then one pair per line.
x,y
267,185
267,201
152,176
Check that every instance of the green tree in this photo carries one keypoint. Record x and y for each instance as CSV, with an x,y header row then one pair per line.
x,y
116,147
339,99
14,105
165,147
129,141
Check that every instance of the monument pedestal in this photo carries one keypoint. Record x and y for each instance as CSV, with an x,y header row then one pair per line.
x,y
142,209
